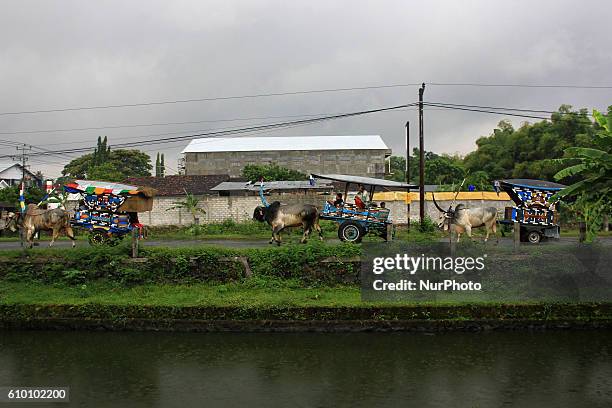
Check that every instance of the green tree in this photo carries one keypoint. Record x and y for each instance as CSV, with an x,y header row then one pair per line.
x,y
107,171
115,166
102,151
592,167
525,152
442,169
398,169
33,195
270,172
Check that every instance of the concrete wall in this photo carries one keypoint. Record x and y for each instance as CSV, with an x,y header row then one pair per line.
x,y
218,209
398,208
240,208
369,163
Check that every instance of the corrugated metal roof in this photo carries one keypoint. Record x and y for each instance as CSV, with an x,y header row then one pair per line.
x,y
258,144
268,185
7,165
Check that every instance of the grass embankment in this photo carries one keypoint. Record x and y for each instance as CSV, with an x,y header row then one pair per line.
x,y
234,294
293,283
229,229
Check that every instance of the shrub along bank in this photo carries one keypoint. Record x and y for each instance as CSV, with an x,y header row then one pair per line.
x,y
295,287
314,263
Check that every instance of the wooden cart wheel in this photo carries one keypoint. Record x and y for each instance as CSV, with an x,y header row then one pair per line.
x,y
97,238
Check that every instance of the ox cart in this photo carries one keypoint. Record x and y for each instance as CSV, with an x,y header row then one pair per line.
x,y
354,222
109,211
534,210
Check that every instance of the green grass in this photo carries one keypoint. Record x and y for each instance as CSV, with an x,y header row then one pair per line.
x,y
247,294
252,293
575,233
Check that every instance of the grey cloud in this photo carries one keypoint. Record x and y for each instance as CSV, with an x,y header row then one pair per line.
x,y
56,54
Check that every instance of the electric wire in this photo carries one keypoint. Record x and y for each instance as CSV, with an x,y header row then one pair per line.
x,y
234,131
300,92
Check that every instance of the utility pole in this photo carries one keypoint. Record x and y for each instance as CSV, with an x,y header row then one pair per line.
x,y
407,174
24,160
421,157
407,152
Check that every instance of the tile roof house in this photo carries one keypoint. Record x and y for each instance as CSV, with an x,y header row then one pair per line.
x,y
177,185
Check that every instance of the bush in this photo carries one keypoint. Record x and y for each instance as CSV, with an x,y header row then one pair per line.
x,y
74,276
301,263
428,225
273,172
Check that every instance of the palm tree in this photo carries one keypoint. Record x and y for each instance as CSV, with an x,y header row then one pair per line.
x,y
593,192
189,204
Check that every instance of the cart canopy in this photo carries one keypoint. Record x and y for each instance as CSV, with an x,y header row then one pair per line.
x,y
370,181
532,184
136,199
526,192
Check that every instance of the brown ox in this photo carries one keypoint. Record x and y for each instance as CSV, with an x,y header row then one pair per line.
x,y
35,219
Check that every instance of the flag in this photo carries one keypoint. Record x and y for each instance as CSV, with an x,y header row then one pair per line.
x,y
21,197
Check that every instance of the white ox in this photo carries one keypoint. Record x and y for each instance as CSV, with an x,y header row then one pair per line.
x,y
463,219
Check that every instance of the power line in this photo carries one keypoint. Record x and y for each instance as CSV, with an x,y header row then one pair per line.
x,y
155,124
17,132
183,132
521,85
207,99
486,111
234,131
301,92
508,109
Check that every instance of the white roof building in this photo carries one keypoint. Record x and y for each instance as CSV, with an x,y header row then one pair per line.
x,y
360,155
11,173
285,143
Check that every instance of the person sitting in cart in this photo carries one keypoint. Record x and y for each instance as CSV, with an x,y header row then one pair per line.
x,y
338,202
362,198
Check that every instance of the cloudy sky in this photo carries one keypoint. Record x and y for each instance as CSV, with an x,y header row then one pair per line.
x,y
64,54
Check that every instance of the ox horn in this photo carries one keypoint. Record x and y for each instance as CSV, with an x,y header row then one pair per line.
x,y
436,203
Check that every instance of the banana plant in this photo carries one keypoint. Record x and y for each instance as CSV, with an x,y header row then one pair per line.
x,y
592,193
189,204
60,198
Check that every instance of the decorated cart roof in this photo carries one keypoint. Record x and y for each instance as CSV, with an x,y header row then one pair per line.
x,y
533,184
370,181
100,187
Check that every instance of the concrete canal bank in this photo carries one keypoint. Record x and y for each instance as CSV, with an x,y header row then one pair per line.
x,y
415,318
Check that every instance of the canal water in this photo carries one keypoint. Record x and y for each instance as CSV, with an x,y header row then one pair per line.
x,y
130,369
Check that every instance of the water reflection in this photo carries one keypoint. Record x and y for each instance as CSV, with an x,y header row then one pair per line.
x,y
321,370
